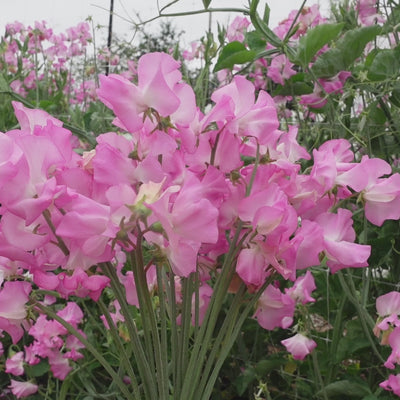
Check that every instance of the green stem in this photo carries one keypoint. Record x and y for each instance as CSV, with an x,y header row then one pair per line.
x,y
230,317
337,329
116,378
61,244
203,339
147,311
144,315
138,351
233,332
121,350
367,322
164,329
169,285
317,372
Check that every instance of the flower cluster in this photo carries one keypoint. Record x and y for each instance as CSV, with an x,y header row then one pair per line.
x,y
185,184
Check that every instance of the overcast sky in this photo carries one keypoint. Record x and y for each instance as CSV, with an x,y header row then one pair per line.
x,y
61,14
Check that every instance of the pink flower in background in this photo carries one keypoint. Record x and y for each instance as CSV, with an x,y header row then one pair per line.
x,y
13,299
205,293
15,364
392,384
280,69
394,342
299,346
368,12
388,308
22,389
237,29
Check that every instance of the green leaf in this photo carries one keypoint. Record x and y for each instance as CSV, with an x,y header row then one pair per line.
x,y
206,3
243,381
38,369
351,389
385,65
294,86
4,86
267,12
256,41
234,53
347,50
264,367
395,97
354,341
314,40
262,26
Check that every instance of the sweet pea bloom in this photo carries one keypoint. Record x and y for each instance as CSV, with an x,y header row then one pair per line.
x,y
388,308
299,346
394,342
339,237
15,364
158,88
13,298
275,309
22,389
392,384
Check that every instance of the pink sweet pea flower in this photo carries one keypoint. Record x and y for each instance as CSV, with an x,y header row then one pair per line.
x,y
15,364
157,88
368,13
311,245
388,308
59,365
302,288
394,342
29,118
252,265
188,220
381,195
205,293
299,346
13,297
280,69
91,243
237,29
22,389
339,237
236,109
392,384
275,309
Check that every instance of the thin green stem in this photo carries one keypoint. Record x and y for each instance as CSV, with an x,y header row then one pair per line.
x,y
164,329
61,244
203,339
233,332
317,372
138,351
230,317
337,330
147,308
121,350
367,322
91,348
144,315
